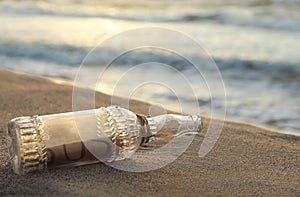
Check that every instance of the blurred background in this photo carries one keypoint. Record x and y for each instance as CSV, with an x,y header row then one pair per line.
x,y
255,44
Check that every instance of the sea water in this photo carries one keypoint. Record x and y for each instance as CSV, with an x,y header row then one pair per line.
x,y
254,43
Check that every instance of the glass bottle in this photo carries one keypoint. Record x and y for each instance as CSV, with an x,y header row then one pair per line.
x,y
73,138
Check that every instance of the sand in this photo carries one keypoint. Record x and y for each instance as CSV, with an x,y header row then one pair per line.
x,y
246,160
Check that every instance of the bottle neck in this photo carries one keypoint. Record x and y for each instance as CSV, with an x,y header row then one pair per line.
x,y
176,124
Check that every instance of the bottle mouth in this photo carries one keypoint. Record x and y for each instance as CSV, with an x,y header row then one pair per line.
x,y
198,124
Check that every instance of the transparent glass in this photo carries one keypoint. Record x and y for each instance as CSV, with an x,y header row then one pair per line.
x,y
86,137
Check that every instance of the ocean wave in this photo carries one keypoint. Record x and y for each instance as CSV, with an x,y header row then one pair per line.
x,y
61,54
276,23
31,10
272,20
280,70
73,56
277,71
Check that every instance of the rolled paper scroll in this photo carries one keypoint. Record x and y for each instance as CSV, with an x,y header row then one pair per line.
x,y
71,139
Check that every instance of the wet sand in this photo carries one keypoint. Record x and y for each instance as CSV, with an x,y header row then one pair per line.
x,y
246,160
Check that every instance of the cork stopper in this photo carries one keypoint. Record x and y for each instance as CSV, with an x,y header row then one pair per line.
x,y
27,149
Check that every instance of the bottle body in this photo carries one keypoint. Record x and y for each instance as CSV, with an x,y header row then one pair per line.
x,y
65,146
68,139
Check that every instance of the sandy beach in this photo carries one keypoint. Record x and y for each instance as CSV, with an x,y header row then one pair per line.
x,y
246,160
